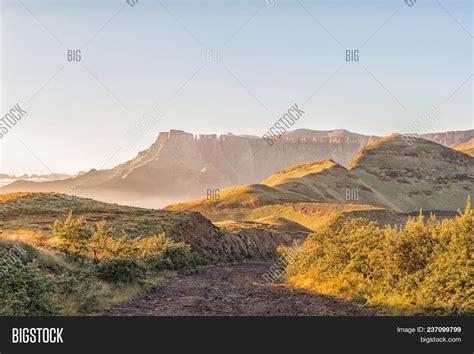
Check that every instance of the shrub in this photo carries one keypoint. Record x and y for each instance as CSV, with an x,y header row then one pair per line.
x,y
120,256
25,288
73,236
421,267
33,283
121,271
26,291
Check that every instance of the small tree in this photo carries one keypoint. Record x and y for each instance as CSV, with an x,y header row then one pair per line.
x,y
73,236
101,242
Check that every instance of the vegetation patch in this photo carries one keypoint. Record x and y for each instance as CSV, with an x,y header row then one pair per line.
x,y
85,267
425,267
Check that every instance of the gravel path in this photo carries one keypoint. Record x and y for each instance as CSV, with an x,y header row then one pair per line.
x,y
235,290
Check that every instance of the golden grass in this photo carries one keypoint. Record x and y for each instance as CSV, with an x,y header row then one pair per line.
x,y
282,223
372,146
6,197
110,295
309,215
106,294
467,147
252,196
298,171
423,267
34,238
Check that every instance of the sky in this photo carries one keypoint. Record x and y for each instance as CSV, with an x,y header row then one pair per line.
x,y
221,66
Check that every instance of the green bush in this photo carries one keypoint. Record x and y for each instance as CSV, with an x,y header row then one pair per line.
x,y
27,291
73,236
118,255
121,271
79,291
423,267
34,283
26,288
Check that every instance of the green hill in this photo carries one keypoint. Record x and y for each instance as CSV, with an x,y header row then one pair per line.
x,y
387,179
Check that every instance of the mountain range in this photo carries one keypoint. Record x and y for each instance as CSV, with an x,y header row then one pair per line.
x,y
387,181
181,166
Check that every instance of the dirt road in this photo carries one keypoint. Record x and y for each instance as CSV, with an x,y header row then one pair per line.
x,y
236,290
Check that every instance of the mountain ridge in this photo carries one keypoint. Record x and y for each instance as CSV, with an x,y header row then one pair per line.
x,y
180,166
388,173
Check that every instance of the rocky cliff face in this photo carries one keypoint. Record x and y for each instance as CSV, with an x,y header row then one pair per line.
x,y
450,138
389,174
245,239
213,161
181,166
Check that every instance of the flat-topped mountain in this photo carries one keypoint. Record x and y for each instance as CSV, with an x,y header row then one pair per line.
x,y
182,166
388,173
450,138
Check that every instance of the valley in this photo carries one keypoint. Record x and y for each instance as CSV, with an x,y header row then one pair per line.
x,y
364,230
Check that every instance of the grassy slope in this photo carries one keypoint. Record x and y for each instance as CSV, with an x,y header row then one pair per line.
x,y
388,174
407,178
38,210
28,213
467,147
94,295
298,171
28,216
306,215
25,219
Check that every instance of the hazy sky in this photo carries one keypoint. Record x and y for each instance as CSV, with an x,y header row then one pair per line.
x,y
223,66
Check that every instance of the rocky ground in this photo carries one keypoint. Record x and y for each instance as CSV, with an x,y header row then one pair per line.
x,y
235,290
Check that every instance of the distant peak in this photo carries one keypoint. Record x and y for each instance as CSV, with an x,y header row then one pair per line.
x,y
403,145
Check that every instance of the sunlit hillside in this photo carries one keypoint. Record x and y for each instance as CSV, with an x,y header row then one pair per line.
x,y
424,267
388,180
467,147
